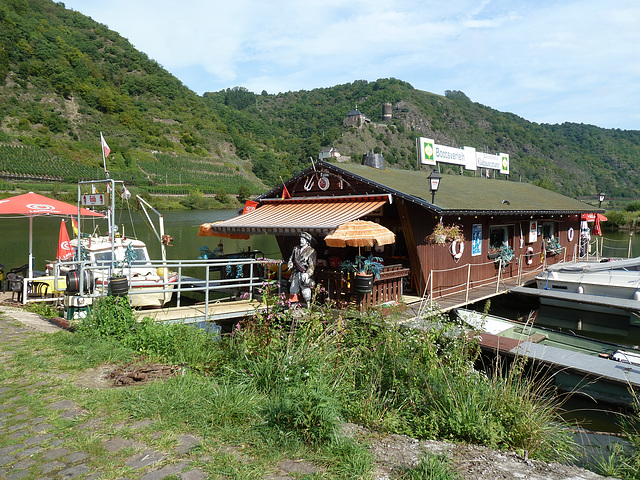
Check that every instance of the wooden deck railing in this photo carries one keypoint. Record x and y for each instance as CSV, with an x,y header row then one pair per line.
x,y
387,288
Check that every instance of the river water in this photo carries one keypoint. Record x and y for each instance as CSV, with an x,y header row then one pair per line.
x,y
182,225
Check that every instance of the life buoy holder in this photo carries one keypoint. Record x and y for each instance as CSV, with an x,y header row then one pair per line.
x,y
529,256
570,234
457,249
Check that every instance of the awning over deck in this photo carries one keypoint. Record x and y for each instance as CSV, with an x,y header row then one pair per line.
x,y
316,215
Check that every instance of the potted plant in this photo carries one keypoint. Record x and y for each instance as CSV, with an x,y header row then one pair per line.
x,y
365,269
445,233
505,254
118,284
552,246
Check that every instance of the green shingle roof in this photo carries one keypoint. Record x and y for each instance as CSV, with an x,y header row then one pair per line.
x,y
468,194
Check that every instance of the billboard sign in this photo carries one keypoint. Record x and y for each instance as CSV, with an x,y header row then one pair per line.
x,y
493,162
426,151
431,153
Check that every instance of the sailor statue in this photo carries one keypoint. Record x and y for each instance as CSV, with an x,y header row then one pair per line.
x,y
302,264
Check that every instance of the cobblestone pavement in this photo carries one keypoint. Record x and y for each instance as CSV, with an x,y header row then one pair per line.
x,y
34,437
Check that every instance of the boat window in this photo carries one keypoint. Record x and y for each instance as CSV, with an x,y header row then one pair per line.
x,y
140,256
548,230
498,236
103,258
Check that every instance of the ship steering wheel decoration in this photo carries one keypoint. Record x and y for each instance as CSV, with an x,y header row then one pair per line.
x,y
323,183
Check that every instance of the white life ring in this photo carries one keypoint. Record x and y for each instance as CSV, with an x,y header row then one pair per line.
x,y
529,256
457,249
570,234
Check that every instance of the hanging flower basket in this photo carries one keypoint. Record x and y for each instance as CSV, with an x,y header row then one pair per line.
x,y
445,233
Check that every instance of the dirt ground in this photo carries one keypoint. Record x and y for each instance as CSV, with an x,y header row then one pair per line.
x,y
392,452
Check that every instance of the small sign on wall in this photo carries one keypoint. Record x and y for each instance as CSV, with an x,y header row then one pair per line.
x,y
476,240
533,231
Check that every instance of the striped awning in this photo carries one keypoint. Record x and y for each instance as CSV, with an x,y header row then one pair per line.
x,y
316,215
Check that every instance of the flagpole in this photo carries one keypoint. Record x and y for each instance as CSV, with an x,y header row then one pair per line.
x,y
104,159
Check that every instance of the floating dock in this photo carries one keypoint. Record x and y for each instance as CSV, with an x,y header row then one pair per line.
x,y
214,312
594,300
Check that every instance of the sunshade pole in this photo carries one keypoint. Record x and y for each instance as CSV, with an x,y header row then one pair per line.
x,y
25,284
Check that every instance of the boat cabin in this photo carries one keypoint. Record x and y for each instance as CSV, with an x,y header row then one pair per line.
x,y
470,231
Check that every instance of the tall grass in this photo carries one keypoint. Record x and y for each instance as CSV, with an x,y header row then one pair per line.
x,y
624,462
289,378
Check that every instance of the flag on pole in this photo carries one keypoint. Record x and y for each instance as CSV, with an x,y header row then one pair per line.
x,y
65,252
74,225
105,148
285,192
249,206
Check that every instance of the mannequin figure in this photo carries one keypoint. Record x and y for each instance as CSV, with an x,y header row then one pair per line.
x,y
302,264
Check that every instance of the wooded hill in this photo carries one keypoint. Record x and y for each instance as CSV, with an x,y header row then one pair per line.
x,y
64,78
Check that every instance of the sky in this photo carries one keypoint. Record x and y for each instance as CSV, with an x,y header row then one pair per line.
x,y
547,61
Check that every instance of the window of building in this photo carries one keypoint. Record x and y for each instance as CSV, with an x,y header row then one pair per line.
x,y
549,230
498,236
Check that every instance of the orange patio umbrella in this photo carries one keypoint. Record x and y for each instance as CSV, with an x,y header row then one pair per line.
x,y
360,233
36,205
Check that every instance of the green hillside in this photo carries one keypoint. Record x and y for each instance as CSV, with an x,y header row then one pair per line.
x,y
65,78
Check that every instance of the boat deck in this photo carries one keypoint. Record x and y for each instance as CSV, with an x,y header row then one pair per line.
x,y
601,368
597,300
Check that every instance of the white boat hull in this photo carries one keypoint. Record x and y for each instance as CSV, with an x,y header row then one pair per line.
x,y
146,291
616,279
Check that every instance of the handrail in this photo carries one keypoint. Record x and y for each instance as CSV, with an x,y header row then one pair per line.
x,y
200,281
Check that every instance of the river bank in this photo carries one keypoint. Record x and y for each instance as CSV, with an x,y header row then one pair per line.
x,y
51,428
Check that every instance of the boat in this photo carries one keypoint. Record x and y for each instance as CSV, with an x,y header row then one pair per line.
x,y
147,285
115,263
603,371
612,278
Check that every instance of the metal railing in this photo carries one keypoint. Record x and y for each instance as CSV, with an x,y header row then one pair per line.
x,y
237,278
523,267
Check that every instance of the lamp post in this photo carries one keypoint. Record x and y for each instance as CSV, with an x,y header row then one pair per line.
x,y
434,183
600,199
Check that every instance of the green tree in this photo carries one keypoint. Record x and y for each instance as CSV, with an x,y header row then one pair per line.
x,y
222,196
243,193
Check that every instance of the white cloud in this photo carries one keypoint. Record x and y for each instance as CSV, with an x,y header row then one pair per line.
x,y
546,61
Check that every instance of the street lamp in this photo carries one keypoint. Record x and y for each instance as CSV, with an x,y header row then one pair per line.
x,y
434,183
600,199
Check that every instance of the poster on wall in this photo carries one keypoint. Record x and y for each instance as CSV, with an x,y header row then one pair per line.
x,y
533,231
476,240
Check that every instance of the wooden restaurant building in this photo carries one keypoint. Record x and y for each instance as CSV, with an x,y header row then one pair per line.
x,y
504,229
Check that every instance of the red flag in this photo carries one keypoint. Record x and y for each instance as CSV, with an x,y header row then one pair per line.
x,y
105,147
285,192
65,251
596,227
249,206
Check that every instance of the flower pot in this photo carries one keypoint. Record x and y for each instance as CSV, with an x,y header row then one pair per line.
x,y
363,283
118,286
438,238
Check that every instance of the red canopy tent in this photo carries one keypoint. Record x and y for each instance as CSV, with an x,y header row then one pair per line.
x,y
35,205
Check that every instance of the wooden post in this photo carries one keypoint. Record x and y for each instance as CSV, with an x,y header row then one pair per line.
x,y
466,298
